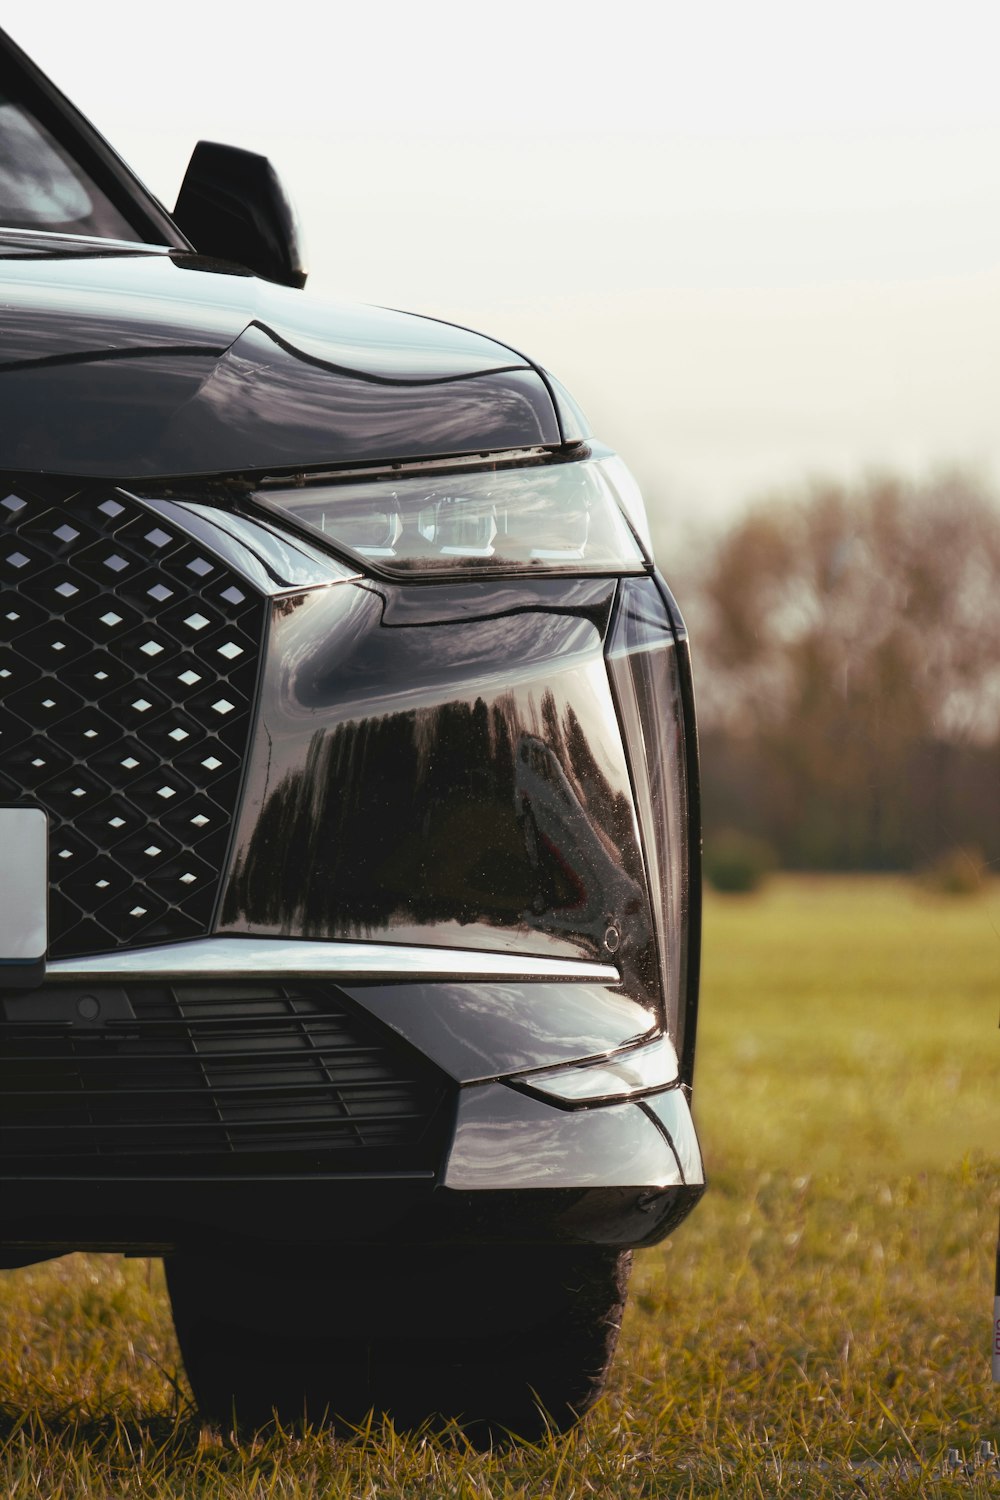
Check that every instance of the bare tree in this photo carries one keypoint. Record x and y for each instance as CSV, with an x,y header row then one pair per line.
x,y
845,634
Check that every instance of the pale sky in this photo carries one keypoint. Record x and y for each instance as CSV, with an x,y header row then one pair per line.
x,y
757,241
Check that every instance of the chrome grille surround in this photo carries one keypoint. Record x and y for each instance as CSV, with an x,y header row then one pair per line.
x,y
129,656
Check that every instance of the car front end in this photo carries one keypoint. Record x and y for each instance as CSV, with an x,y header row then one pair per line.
x,y
349,802
307,803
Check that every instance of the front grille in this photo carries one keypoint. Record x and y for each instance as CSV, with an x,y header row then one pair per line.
x,y
210,1080
128,665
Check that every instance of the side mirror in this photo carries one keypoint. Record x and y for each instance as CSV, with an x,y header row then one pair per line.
x,y
232,206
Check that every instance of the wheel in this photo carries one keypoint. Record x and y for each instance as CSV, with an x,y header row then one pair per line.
x,y
503,1341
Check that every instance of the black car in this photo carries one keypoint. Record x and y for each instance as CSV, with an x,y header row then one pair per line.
x,y
348,812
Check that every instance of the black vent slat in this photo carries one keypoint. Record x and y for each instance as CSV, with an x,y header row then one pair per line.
x,y
129,1058
303,1071
119,640
273,1123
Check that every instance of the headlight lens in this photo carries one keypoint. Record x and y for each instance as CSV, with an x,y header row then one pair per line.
x,y
562,517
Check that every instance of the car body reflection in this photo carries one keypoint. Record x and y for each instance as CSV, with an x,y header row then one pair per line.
x,y
462,779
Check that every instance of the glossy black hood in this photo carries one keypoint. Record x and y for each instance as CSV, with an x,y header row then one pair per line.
x,y
133,363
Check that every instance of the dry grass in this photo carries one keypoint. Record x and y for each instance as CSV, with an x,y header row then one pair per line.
x,y
820,1326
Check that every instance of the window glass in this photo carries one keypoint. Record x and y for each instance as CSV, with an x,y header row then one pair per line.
x,y
41,187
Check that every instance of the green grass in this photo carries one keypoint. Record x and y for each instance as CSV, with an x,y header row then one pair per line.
x,y
827,1303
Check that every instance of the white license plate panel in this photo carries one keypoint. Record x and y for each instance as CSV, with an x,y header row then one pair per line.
x,y
24,886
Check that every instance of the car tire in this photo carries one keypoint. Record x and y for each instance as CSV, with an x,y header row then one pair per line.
x,y
502,1342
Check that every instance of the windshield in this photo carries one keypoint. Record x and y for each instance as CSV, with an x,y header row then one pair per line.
x,y
41,187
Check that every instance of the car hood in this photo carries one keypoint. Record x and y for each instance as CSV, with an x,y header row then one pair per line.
x,y
131,363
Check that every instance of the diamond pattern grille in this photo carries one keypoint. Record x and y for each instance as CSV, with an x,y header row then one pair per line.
x,y
128,664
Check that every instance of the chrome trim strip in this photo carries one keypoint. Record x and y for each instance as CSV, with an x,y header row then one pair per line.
x,y
285,958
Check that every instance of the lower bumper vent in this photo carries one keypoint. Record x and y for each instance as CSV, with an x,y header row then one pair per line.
x,y
234,1080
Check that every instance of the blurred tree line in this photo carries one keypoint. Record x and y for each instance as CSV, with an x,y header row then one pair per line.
x,y
847,652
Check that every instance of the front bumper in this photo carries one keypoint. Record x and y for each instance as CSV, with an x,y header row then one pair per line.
x,y
500,1163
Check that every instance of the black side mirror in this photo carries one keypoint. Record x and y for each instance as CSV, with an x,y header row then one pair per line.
x,y
232,206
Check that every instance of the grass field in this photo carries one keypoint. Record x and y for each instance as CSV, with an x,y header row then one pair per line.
x,y
820,1326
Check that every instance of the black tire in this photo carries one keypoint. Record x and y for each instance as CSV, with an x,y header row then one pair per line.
x,y
504,1342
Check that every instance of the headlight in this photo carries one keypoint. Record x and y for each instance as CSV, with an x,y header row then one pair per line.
x,y
561,517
